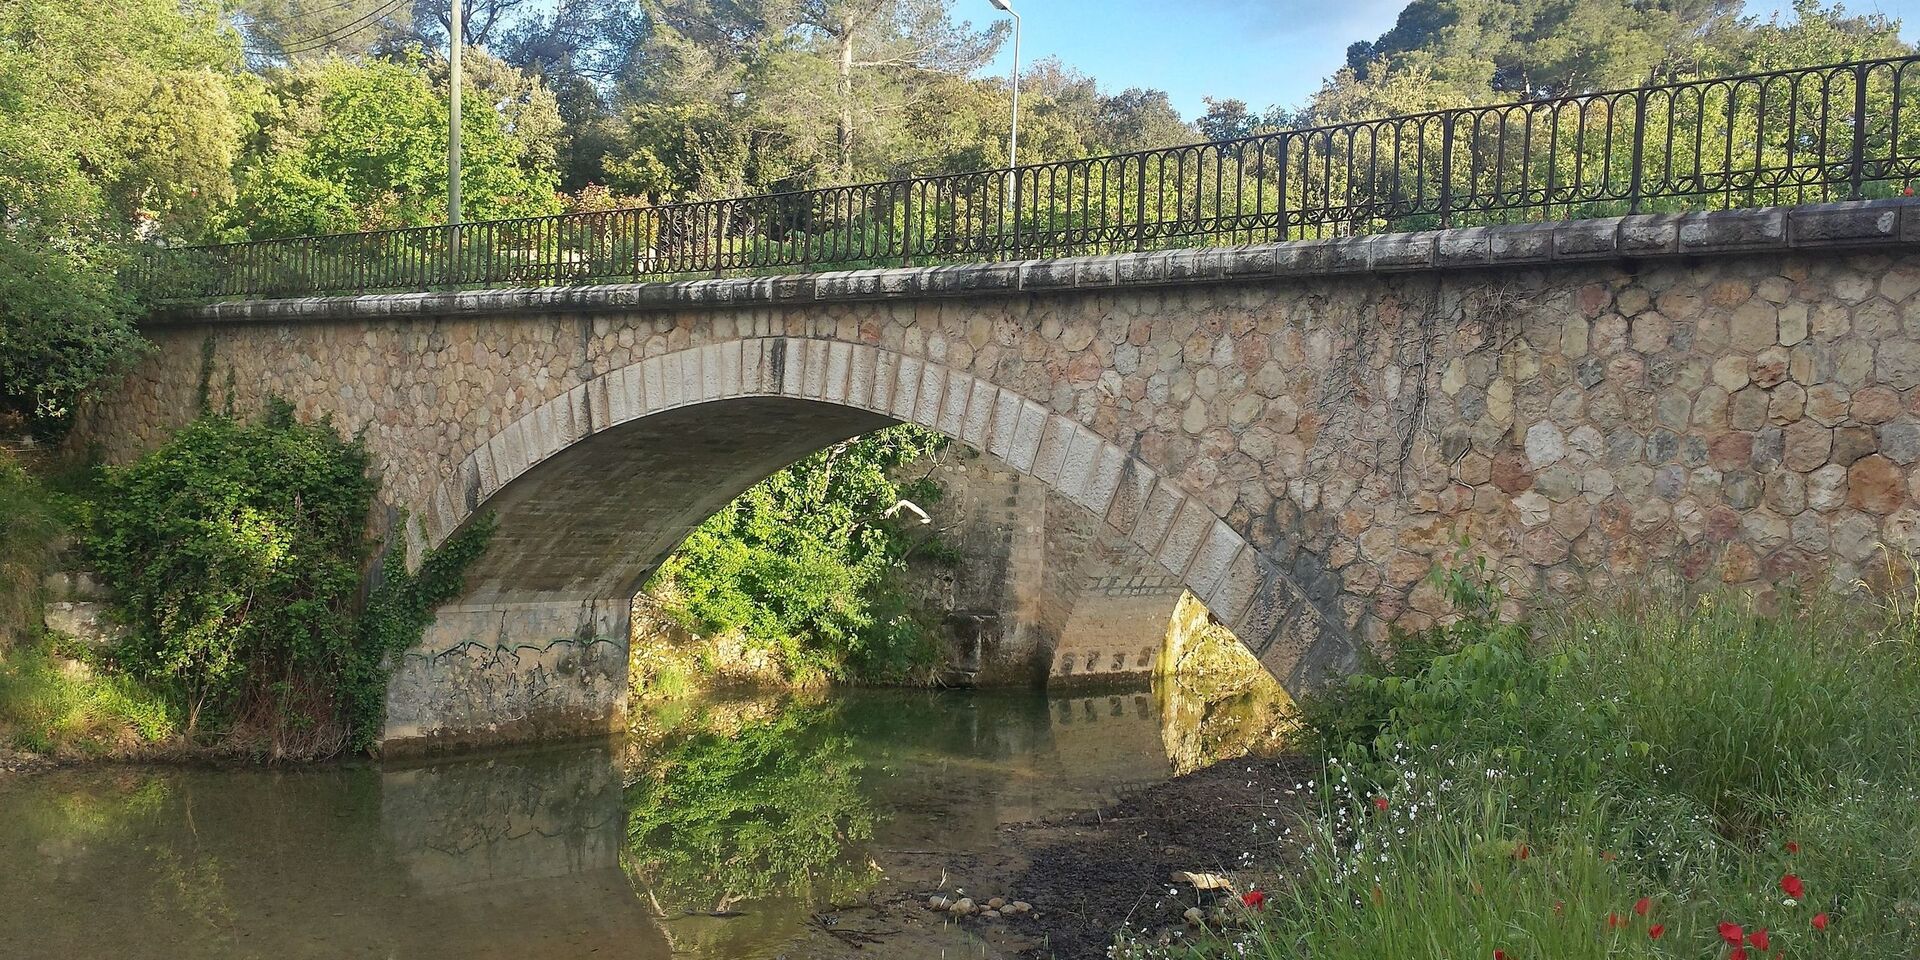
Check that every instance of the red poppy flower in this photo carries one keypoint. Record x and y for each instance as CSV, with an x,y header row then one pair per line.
x,y
1254,899
1379,803
1642,905
1819,921
1738,953
1521,852
1731,932
1793,847
1499,955
1657,930
1792,887
1615,921
1759,939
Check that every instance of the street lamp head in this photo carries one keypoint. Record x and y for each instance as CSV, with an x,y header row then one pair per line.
x,y
1002,4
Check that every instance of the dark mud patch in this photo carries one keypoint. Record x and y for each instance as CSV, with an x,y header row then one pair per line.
x,y
1112,868
1090,875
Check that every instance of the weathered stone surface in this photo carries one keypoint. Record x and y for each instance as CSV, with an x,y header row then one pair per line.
x,y
1280,403
1876,485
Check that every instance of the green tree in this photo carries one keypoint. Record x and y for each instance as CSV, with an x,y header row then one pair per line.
x,y
803,563
111,127
349,146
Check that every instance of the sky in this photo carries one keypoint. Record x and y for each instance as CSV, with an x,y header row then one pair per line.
x,y
1265,52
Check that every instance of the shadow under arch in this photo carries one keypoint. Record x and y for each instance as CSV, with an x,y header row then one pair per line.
x,y
595,487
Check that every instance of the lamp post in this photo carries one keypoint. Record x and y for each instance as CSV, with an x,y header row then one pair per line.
x,y
1013,138
454,31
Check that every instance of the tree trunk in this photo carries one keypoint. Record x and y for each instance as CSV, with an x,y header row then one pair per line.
x,y
846,102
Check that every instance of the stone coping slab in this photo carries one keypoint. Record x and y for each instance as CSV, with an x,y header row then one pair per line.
x,y
1852,225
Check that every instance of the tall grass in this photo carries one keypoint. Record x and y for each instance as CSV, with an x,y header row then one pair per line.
x,y
1491,790
59,704
28,526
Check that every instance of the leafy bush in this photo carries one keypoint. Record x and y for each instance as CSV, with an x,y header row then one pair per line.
x,y
804,563
234,554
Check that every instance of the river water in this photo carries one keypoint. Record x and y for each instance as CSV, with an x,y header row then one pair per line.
x,y
720,829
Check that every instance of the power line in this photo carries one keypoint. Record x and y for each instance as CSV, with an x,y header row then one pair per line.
x,y
306,44
349,30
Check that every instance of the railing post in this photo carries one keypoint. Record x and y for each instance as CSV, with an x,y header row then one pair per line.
x,y
906,223
1859,165
453,256
1637,171
1284,165
1140,208
1446,168
1017,189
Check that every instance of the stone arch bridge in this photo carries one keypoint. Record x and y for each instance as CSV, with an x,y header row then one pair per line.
x,y
1296,432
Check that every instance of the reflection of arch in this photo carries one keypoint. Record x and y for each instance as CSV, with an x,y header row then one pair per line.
x,y
1178,531
593,488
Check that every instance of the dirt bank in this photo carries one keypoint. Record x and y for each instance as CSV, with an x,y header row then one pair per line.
x,y
1086,875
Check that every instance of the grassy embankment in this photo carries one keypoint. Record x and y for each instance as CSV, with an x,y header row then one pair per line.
x,y
1665,775
54,697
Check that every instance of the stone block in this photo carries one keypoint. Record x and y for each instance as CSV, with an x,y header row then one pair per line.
x,y
1843,224
1213,559
1587,239
1733,230
1130,494
1189,528
1404,251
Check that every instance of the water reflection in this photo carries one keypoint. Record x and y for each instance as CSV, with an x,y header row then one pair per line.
x,y
717,831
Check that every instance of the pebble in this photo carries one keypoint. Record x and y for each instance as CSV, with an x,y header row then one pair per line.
x,y
963,906
1021,906
937,902
1194,916
996,903
991,914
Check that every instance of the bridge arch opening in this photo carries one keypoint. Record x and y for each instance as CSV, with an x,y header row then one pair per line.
x,y
593,489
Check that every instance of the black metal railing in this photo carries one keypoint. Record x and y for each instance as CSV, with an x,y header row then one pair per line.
x,y
1845,131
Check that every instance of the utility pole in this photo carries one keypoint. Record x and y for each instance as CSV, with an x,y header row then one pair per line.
x,y
454,43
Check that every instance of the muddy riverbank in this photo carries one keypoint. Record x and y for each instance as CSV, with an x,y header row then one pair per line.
x,y
1087,874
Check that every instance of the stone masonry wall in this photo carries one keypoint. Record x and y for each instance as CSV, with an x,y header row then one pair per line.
x,y
1296,433
1073,598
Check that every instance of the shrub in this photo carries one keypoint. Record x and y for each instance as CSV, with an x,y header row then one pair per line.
x,y
235,555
